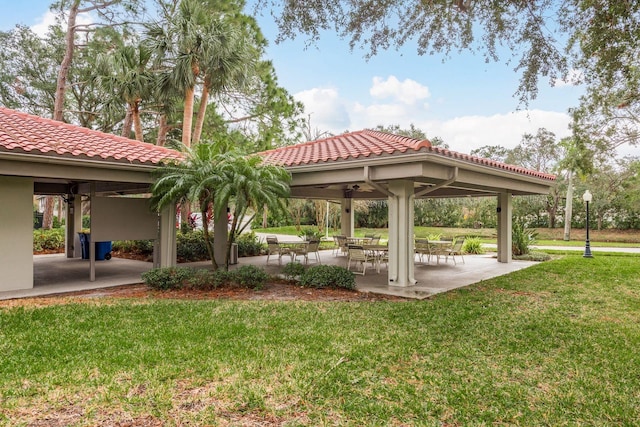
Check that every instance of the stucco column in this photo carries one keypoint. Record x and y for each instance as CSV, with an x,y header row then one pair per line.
x,y
166,243
346,218
16,243
220,237
73,248
401,251
505,209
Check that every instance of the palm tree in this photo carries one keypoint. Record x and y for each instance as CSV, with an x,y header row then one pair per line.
x,y
216,176
199,47
194,179
127,75
249,185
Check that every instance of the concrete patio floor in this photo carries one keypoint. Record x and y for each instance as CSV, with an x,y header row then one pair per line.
x,y
55,274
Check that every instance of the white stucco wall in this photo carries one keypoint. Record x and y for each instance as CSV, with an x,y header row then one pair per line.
x,y
16,233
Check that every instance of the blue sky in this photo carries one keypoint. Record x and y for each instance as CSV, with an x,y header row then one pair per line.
x,y
464,100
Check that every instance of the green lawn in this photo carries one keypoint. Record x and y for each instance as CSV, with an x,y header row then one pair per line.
x,y
553,344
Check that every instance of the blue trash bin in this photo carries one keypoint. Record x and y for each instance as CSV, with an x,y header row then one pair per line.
x,y
103,249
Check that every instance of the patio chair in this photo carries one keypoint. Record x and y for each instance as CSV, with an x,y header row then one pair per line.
x,y
357,254
456,249
311,248
423,248
274,248
342,244
336,241
375,239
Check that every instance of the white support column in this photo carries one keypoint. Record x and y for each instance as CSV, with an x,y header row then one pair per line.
x,y
220,237
16,242
73,248
401,257
346,218
505,209
166,242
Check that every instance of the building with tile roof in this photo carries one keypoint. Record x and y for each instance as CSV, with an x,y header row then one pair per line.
x,y
41,156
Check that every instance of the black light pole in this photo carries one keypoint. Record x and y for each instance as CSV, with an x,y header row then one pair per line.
x,y
587,246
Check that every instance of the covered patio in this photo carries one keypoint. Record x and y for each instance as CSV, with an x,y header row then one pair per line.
x,y
56,274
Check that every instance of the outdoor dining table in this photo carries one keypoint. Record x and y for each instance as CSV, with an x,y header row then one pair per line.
x,y
358,240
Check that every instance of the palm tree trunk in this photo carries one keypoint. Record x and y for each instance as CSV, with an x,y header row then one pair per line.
x,y
568,210
187,118
163,129
207,236
197,131
128,123
137,124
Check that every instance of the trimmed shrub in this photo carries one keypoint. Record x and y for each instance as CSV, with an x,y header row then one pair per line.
x,y
52,240
293,270
249,245
138,247
472,245
533,256
250,276
207,280
191,246
328,276
168,277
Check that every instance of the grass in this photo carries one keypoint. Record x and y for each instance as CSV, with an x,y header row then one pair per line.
x,y
553,344
546,236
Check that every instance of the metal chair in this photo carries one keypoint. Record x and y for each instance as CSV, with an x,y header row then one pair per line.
x,y
311,248
273,248
456,249
357,254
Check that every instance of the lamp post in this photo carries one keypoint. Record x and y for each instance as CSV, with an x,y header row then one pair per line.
x,y
587,196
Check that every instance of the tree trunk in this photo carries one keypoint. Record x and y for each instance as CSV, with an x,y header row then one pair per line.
x,y
137,124
568,210
207,236
47,218
163,129
128,123
187,118
63,72
197,131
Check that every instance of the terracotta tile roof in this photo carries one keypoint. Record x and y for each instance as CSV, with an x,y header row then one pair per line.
x,y
21,132
369,144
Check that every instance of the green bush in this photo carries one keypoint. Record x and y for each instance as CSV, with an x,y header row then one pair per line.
x,y
139,247
207,280
249,244
186,278
52,240
309,234
293,270
191,246
472,245
168,277
328,276
250,276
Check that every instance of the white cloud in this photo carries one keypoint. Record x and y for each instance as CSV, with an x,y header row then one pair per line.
x,y
407,91
327,111
49,18
466,133
330,112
